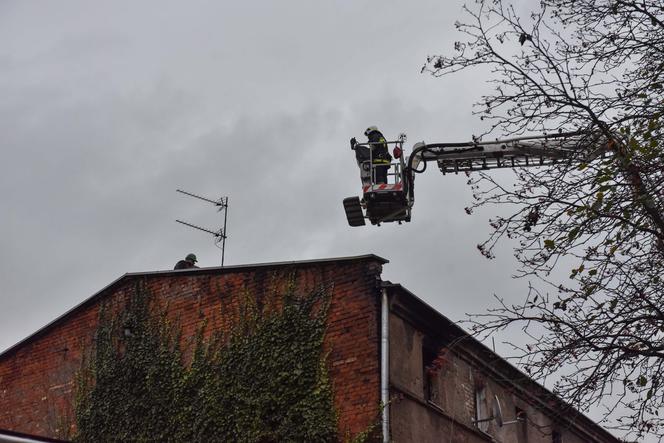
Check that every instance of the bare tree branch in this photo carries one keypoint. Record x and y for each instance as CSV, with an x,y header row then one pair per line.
x,y
599,66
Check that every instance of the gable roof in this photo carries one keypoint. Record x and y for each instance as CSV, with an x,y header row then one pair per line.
x,y
218,270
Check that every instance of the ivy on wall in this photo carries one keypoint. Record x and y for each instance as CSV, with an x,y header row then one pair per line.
x,y
265,380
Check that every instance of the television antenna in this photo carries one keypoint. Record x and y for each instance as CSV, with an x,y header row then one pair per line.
x,y
220,234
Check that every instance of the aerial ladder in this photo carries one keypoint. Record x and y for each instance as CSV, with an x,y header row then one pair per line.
x,y
393,201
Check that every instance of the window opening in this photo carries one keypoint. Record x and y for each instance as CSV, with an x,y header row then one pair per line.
x,y
481,410
428,376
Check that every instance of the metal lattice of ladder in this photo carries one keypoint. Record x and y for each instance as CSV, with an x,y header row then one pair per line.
x,y
515,152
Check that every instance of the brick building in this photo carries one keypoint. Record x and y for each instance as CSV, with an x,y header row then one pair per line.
x,y
385,346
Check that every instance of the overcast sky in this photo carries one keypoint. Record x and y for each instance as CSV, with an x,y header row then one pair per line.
x,y
106,108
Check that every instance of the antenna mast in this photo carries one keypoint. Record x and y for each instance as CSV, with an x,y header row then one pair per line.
x,y
219,235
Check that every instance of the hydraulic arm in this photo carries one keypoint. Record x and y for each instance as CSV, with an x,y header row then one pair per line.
x,y
393,201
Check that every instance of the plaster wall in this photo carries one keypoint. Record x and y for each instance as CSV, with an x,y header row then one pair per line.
x,y
442,406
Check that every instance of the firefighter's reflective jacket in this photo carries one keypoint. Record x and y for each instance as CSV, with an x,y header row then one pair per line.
x,y
380,152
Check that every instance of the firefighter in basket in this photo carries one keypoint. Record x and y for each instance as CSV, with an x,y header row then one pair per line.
x,y
375,154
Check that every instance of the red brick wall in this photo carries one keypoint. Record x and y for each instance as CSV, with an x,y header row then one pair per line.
x,y
36,378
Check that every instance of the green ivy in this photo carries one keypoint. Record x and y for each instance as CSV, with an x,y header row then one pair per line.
x,y
266,380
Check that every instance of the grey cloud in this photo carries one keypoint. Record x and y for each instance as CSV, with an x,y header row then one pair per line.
x,y
106,109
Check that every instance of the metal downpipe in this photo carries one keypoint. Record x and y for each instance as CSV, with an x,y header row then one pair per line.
x,y
385,365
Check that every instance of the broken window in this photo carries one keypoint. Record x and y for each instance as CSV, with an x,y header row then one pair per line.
x,y
429,374
435,359
481,408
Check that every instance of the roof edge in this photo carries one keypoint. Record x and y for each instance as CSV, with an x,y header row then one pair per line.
x,y
235,268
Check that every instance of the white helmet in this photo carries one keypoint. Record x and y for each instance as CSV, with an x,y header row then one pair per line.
x,y
370,129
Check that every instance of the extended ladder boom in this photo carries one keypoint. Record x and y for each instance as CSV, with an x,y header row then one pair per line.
x,y
509,153
392,200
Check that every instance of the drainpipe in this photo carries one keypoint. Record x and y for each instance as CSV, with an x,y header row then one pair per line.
x,y
384,366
